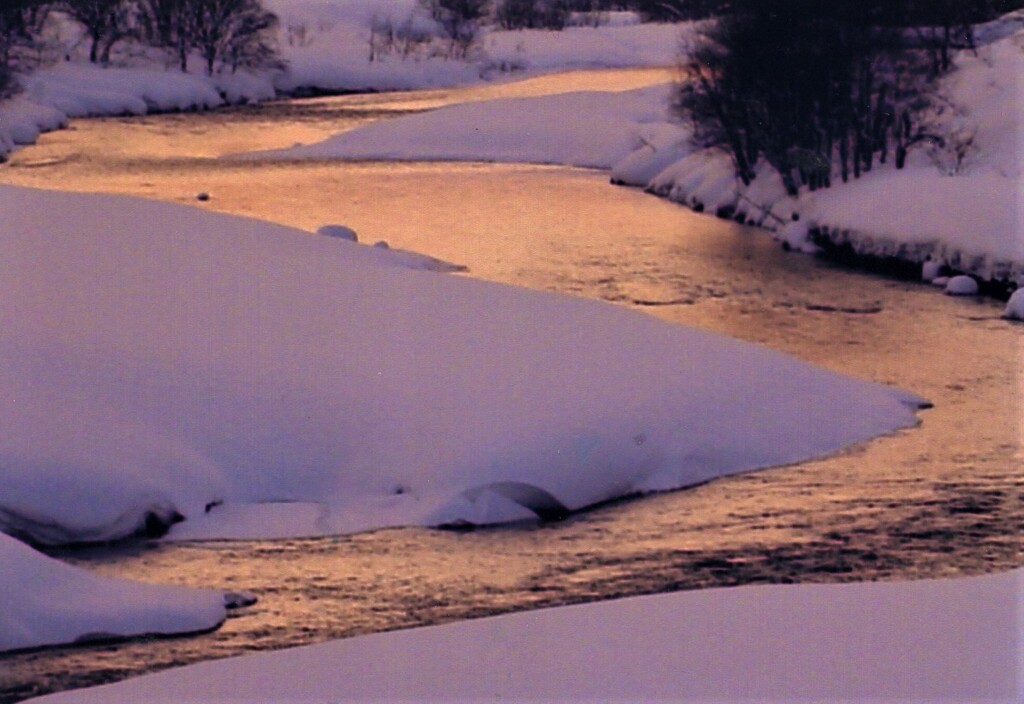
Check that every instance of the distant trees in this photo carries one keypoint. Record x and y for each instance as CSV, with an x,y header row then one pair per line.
x,y
106,22
459,20
237,32
233,33
817,89
533,14
166,24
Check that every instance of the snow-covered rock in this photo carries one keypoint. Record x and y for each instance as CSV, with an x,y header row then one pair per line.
x,y
962,286
157,360
1015,306
928,641
795,235
47,602
339,231
930,270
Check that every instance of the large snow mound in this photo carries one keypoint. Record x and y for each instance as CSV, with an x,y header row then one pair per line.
x,y
589,128
47,602
942,640
156,359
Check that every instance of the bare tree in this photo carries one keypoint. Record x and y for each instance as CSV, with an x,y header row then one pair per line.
x,y
234,32
166,23
805,84
106,22
233,29
459,20
252,40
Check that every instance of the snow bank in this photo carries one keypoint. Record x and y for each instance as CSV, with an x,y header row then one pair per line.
x,y
54,94
47,602
592,128
941,640
21,122
156,360
78,90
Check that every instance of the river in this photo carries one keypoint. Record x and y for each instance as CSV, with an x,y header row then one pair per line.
x,y
942,499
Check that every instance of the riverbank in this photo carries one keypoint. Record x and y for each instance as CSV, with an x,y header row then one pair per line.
x,y
327,49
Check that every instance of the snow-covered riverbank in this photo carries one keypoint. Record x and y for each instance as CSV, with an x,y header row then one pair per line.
x,y
325,49
937,640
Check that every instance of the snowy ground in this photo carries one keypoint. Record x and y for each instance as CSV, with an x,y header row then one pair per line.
x,y
47,602
945,640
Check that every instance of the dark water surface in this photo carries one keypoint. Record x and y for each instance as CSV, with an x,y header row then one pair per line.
x,y
943,499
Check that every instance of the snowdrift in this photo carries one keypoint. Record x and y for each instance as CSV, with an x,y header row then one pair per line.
x,y
588,128
47,602
159,362
939,640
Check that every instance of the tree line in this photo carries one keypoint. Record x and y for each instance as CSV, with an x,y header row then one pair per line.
x,y
823,89
224,33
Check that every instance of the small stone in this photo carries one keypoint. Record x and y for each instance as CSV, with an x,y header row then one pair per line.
x,y
203,196
382,245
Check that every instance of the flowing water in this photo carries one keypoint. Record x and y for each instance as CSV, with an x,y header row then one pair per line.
x,y
941,499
